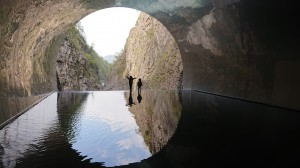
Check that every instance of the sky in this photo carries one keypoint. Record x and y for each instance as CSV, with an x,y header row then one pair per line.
x,y
109,28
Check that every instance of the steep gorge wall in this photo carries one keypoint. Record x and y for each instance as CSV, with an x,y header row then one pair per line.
x,y
78,66
151,54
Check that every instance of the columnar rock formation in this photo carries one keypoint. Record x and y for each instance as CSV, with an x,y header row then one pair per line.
x,y
151,54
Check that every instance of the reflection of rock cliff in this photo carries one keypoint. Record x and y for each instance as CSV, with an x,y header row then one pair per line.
x,y
78,66
55,144
157,116
67,110
151,54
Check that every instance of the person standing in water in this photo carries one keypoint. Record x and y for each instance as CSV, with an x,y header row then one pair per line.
x,y
139,84
130,82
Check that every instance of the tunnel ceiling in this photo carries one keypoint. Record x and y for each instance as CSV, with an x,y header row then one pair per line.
x,y
29,27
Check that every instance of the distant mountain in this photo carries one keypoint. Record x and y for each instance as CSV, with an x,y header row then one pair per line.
x,y
110,58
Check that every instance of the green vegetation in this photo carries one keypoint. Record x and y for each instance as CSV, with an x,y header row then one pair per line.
x,y
95,61
77,38
119,64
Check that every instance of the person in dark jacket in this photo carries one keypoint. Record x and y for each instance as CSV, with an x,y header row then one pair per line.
x,y
139,84
130,79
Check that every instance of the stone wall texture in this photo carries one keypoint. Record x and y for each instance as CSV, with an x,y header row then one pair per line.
x,y
72,70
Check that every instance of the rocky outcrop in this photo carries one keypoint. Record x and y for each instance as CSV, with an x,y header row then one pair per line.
x,y
116,80
78,66
151,54
72,69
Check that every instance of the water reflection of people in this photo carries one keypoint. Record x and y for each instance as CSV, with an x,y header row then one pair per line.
x,y
139,97
130,100
130,79
139,84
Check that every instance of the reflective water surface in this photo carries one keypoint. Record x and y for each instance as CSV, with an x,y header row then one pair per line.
x,y
12,105
157,129
97,128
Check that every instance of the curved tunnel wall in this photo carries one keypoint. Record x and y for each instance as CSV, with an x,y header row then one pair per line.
x,y
238,48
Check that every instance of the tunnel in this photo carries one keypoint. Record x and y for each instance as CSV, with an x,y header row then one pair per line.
x,y
226,47
242,50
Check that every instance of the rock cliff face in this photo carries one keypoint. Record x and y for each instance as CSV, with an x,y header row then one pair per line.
x,y
151,54
116,80
72,70
78,66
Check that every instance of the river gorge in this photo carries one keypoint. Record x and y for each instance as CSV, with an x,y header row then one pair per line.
x,y
220,86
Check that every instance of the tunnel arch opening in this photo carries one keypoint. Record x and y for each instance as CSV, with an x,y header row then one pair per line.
x,y
149,52
43,55
35,30
271,77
